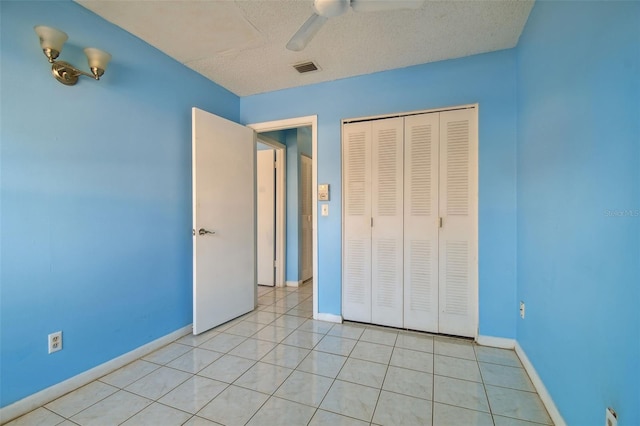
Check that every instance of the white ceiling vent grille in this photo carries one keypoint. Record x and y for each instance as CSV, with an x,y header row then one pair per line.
x,y
305,67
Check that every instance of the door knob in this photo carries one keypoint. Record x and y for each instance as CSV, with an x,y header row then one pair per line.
x,y
203,231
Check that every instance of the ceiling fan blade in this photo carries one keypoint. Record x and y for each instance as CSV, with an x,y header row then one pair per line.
x,y
306,32
382,5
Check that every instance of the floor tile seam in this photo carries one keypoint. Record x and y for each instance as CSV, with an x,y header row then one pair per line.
x,y
50,411
465,408
486,394
453,356
207,403
522,420
516,389
151,401
269,395
412,369
183,371
298,402
334,353
202,343
117,389
222,381
179,384
255,390
433,385
158,366
157,401
264,324
345,415
363,359
502,365
413,349
376,343
406,394
386,371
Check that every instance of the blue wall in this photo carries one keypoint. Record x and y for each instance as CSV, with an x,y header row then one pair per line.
x,y
488,79
579,205
96,196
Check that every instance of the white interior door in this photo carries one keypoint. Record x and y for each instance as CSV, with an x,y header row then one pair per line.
x,y
306,217
387,158
266,216
421,221
224,220
458,269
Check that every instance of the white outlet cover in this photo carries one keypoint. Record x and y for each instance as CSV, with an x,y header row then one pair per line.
x,y
55,342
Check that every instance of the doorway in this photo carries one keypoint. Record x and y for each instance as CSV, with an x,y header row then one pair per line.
x,y
309,122
270,206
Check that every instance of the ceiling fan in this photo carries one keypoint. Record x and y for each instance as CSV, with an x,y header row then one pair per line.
x,y
325,9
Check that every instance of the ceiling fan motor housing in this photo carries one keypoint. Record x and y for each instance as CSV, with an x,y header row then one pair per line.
x,y
331,8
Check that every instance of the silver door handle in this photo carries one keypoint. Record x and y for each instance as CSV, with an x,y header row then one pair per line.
x,y
203,231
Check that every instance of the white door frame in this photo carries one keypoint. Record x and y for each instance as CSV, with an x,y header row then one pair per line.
x,y
292,123
281,211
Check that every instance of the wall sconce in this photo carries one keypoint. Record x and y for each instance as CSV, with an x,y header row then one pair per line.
x,y
52,41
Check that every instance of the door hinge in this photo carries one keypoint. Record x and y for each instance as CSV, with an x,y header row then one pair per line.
x,y
193,232
440,222
372,222
275,263
275,164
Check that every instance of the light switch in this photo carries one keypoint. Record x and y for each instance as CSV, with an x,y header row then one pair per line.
x,y
325,210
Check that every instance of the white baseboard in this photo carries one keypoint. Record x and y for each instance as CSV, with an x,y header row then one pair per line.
x,y
293,283
496,342
329,318
540,388
47,395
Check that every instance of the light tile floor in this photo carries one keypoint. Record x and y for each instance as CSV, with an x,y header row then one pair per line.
x,y
276,366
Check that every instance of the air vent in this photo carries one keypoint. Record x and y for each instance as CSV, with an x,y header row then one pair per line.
x,y
305,67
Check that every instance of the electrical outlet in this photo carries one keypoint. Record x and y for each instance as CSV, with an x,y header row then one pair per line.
x,y
55,342
522,309
611,417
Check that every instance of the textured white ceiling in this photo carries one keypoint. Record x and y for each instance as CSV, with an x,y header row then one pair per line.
x,y
241,44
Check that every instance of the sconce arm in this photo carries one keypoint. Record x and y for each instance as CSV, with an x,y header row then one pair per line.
x,y
67,74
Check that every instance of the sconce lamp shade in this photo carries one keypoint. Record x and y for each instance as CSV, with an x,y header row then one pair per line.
x,y
51,38
97,58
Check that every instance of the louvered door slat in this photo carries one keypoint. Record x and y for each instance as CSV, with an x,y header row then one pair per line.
x,y
387,211
356,269
422,137
458,236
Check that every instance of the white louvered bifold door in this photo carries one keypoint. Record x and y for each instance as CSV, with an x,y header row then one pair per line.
x,y
421,222
458,236
356,268
306,261
387,158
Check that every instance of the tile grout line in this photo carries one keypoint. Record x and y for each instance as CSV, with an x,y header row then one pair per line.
x,y
484,386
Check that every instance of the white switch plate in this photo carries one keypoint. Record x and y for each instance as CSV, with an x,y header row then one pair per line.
x,y
325,210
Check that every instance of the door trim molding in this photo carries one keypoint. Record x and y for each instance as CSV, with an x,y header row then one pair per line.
x,y
292,123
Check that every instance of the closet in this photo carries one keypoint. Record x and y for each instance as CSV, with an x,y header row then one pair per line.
x,y
410,221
